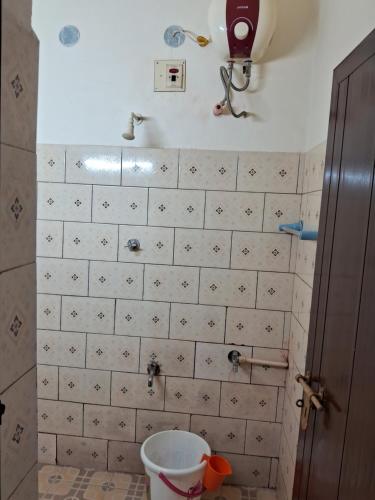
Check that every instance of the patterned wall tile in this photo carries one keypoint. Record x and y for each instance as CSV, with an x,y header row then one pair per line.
x,y
287,466
17,207
275,291
17,324
227,288
82,314
208,170
186,395
263,375
68,202
198,247
112,352
176,208
280,405
175,357
310,210
142,318
234,211
119,205
268,172
90,241
248,401
125,457
49,238
48,311
116,280
280,209
50,163
222,434
46,448
261,251
254,327
262,439
314,168
150,167
61,348
108,422
85,386
60,417
211,362
291,426
62,276
130,390
302,296
151,422
48,382
298,344
93,165
305,260
193,322
249,471
171,284
156,244
82,452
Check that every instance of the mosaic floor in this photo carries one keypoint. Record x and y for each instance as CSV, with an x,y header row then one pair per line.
x,y
58,483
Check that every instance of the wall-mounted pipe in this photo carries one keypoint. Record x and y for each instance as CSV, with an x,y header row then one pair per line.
x,y
237,359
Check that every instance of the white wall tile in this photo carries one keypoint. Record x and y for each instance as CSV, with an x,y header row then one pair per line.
x,y
61,348
261,251
116,280
131,390
69,202
60,417
46,449
269,376
125,457
305,261
85,386
198,247
280,209
49,238
314,168
268,172
108,422
62,276
280,405
48,382
298,344
234,211
262,438
200,169
227,287
175,357
248,401
82,452
254,327
249,471
142,318
93,165
171,284
302,296
151,422
150,167
156,244
50,163
48,311
310,210
119,205
195,322
212,363
275,291
90,241
187,395
83,314
112,352
222,434
176,208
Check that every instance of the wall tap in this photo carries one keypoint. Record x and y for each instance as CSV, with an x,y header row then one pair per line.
x,y
234,358
153,369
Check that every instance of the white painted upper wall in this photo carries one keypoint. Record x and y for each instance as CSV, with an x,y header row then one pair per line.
x,y
342,26
87,91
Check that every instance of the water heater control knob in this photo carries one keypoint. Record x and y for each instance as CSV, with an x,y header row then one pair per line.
x,y
241,30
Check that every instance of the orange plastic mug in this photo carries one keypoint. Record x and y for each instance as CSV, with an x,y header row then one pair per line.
x,y
218,468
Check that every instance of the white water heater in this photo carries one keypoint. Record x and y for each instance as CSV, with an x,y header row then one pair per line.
x,y
242,29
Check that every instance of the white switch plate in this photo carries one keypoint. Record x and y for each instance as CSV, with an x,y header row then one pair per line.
x,y
170,75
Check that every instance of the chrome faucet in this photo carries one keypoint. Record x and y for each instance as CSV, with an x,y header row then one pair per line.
x,y
234,358
153,369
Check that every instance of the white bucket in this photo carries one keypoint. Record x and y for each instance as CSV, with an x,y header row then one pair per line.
x,y
177,455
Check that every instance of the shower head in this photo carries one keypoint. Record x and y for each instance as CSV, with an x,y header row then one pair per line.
x,y
134,119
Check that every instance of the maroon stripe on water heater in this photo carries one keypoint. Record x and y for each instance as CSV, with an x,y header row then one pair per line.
x,y
245,11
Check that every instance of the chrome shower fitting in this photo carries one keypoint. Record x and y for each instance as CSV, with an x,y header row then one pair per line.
x,y
153,370
133,245
234,358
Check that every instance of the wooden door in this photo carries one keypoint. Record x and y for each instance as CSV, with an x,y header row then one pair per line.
x,y
336,455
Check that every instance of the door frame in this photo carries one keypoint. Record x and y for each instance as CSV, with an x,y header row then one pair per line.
x,y
351,63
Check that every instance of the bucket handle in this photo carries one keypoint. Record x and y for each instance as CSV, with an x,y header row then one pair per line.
x,y
194,491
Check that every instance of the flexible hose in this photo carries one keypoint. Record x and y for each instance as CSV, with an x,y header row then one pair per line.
x,y
227,79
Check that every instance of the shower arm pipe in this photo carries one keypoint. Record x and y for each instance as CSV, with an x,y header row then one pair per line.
x,y
263,362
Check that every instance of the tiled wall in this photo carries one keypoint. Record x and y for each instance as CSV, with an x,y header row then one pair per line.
x,y
303,262
213,271
18,432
